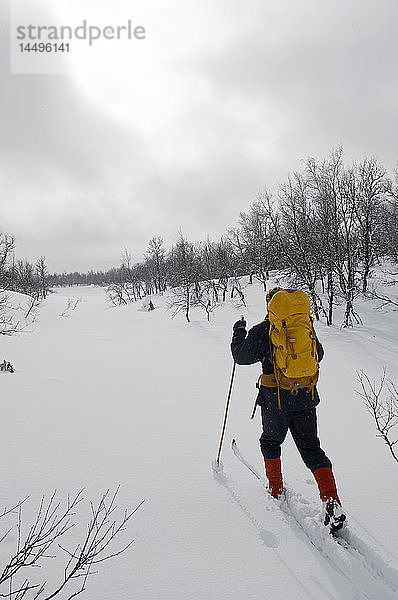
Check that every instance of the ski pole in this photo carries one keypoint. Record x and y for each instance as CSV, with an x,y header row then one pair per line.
x,y
226,414
242,318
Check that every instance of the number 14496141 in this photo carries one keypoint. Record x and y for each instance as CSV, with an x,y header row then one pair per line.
x,y
42,47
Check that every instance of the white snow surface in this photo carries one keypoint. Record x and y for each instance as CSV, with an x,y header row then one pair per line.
x,y
115,395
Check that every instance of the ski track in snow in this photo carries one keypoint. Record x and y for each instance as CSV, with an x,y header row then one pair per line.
x,y
364,571
269,539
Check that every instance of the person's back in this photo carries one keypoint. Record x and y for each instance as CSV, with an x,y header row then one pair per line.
x,y
287,406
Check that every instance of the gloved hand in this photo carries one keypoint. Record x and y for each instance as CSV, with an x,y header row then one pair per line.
x,y
241,324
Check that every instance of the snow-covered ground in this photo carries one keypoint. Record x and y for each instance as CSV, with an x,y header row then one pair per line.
x,y
106,395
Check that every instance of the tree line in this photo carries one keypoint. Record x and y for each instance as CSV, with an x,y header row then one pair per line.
x,y
19,275
324,229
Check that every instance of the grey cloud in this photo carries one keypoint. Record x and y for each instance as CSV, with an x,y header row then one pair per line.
x,y
49,128
328,74
291,80
61,161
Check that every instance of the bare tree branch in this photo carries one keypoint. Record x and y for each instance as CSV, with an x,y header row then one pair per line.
x,y
383,407
50,524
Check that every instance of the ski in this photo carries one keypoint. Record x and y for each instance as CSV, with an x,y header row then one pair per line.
x,y
239,456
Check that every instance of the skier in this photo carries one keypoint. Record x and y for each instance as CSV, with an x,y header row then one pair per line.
x,y
291,409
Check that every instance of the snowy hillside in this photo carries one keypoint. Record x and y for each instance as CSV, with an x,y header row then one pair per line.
x,y
17,311
106,395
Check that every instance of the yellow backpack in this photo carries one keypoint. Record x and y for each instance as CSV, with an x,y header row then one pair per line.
x,y
293,342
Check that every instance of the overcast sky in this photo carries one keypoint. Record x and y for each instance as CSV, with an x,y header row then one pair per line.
x,y
181,130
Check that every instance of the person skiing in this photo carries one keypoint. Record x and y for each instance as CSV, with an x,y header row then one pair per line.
x,y
285,404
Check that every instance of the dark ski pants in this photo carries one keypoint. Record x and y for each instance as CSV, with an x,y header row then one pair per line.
x,y
303,427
